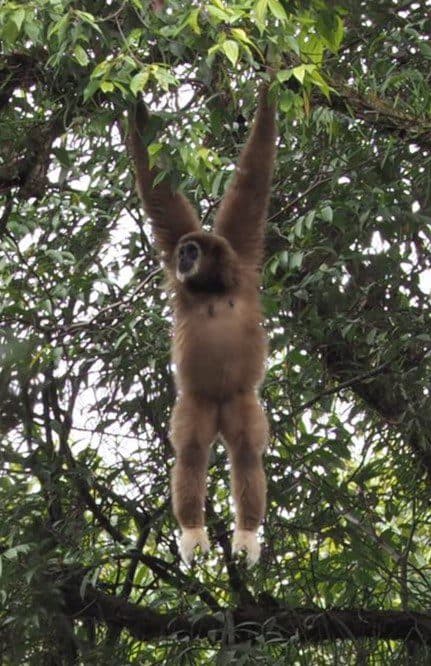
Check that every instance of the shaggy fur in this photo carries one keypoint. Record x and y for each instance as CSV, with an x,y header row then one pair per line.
x,y
219,346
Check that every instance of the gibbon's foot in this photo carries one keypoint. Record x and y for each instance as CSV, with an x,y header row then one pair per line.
x,y
190,538
246,540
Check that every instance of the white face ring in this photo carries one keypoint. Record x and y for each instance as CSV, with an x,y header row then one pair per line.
x,y
181,276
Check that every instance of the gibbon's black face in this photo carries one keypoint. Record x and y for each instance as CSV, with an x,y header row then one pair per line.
x,y
188,259
206,263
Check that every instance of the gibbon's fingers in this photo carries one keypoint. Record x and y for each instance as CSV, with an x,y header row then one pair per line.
x,y
190,538
246,540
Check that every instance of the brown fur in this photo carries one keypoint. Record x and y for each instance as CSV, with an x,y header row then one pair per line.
x,y
219,346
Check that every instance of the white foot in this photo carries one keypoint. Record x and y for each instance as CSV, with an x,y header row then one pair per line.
x,y
246,540
190,538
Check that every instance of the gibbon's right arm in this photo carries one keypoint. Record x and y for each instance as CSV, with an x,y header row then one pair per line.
x,y
171,214
242,214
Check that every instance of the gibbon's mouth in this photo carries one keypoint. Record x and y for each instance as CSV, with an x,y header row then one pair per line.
x,y
182,275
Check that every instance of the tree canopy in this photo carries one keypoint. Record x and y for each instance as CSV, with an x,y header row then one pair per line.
x,y
90,571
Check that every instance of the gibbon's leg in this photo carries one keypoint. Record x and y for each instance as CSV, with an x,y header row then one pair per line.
x,y
193,429
245,429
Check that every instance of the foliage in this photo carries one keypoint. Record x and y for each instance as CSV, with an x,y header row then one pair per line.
x,y
85,381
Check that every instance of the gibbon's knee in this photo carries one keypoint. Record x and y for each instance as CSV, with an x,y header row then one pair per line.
x,y
191,454
245,454
244,425
192,427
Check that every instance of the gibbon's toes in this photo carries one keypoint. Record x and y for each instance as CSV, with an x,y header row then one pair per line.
x,y
246,540
190,538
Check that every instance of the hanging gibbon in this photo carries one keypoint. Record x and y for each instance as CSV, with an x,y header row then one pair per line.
x,y
219,346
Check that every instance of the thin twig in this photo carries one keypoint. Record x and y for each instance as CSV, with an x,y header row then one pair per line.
x,y
346,384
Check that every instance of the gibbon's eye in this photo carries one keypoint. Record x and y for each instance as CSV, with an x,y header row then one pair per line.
x,y
191,251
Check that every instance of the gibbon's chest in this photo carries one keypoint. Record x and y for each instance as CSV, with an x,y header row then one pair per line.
x,y
219,345
216,324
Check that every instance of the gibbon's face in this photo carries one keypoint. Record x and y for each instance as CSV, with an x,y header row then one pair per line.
x,y
206,262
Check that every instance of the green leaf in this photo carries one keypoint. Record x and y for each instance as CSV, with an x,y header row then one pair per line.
x,y
10,32
81,55
425,337
327,214
139,81
231,49
339,33
17,17
153,150
260,10
295,260
277,10
219,15
101,69
215,188
299,73
284,75
86,17
32,29
107,86
241,36
90,89
330,27
287,100
163,76
193,21
293,44
320,82
59,28
425,49
312,48
309,219
20,549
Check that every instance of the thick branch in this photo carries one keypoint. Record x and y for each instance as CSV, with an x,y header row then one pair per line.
x,y
28,165
382,394
308,625
342,385
17,70
378,112
372,109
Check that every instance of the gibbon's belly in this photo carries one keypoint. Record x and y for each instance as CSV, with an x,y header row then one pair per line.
x,y
219,350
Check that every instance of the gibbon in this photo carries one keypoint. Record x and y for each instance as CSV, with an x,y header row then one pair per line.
x,y
219,346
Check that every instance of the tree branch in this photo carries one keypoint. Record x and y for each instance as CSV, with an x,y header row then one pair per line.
x,y
377,111
307,625
18,70
342,385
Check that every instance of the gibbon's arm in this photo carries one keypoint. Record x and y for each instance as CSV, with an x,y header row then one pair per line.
x,y
241,216
171,214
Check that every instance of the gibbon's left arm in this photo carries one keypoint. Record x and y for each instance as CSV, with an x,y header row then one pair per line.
x,y
241,216
171,214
